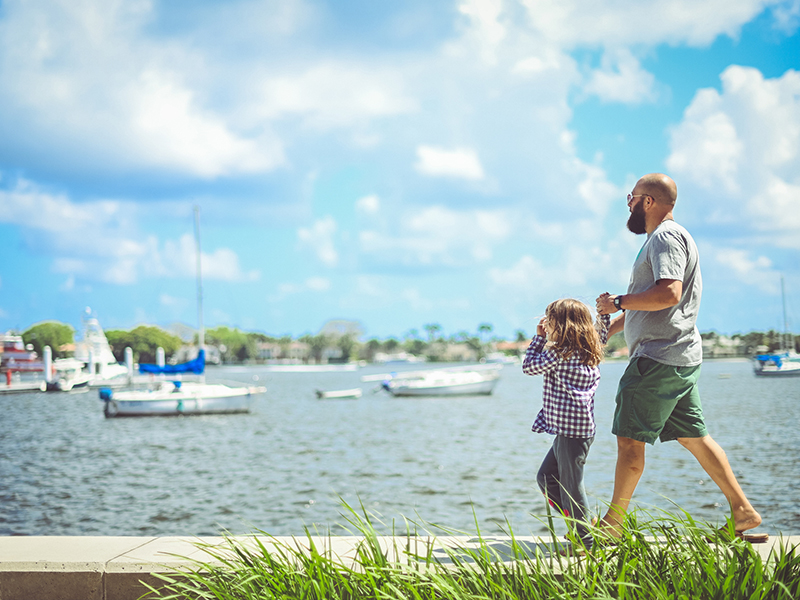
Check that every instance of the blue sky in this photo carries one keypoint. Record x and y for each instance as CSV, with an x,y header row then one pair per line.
x,y
397,164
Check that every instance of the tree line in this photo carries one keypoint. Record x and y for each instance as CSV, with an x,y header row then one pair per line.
x,y
238,346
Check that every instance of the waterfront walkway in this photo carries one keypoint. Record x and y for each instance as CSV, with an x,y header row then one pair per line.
x,y
112,568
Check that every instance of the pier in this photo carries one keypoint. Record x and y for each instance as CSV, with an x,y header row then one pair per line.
x,y
113,568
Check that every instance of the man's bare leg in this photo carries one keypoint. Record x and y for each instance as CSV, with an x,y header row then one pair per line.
x,y
713,460
630,466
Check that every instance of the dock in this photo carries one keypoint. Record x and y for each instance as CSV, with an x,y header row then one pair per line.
x,y
113,568
22,387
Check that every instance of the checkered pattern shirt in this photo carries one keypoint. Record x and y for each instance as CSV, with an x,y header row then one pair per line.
x,y
569,388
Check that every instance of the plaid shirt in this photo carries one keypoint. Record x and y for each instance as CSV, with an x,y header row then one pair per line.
x,y
569,388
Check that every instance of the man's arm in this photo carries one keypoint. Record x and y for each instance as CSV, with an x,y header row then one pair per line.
x,y
664,294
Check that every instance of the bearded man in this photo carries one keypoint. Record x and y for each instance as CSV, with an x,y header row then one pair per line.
x,y
657,396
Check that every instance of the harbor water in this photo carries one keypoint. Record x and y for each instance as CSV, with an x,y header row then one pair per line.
x,y
293,461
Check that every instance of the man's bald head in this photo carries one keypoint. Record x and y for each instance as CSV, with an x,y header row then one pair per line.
x,y
660,187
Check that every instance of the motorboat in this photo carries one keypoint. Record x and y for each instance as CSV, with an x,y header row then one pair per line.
x,y
95,353
169,394
458,381
69,374
339,394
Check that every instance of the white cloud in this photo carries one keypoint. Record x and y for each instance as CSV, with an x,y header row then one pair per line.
x,y
368,205
573,23
68,285
787,16
314,285
706,145
222,264
333,94
486,31
318,284
100,240
462,163
172,301
86,78
621,78
437,235
757,272
739,151
319,237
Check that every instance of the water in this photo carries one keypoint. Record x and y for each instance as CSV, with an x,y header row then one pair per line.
x,y
66,470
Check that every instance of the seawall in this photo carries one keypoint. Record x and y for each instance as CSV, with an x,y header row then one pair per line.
x,y
113,568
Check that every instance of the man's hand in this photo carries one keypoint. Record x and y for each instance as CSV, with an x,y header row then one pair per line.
x,y
605,304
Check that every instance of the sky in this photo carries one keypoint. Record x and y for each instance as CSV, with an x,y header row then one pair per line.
x,y
393,163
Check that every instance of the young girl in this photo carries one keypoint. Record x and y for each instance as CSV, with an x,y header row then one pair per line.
x,y
567,350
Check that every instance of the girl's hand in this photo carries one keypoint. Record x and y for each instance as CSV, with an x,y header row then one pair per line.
x,y
540,327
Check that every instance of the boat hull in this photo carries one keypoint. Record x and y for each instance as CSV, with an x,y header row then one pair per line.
x,y
786,364
353,394
793,371
481,388
202,399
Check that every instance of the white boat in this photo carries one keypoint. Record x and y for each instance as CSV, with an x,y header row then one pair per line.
x,y
457,381
339,394
777,364
95,352
174,398
70,374
178,397
785,362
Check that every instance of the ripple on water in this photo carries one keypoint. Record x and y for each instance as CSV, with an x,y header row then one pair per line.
x,y
74,471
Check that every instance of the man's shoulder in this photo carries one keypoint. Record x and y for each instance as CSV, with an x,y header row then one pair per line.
x,y
669,232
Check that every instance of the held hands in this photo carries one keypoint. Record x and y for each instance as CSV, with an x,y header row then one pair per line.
x,y
605,304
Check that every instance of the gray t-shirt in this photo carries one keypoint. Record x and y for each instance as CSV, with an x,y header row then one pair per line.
x,y
668,336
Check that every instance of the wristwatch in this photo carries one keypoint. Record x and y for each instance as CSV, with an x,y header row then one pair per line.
x,y
618,303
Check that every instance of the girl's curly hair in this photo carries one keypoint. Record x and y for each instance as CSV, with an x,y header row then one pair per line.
x,y
574,332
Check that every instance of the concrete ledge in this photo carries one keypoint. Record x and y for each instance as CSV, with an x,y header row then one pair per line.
x,y
113,568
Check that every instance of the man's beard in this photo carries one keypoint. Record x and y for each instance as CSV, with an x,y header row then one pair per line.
x,y
636,222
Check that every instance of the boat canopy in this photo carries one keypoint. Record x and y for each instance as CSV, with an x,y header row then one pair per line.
x,y
774,358
196,366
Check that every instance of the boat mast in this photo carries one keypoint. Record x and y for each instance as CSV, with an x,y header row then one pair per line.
x,y
785,338
201,334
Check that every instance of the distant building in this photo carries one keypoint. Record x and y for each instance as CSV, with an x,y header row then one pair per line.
x,y
189,352
515,348
459,353
721,346
294,352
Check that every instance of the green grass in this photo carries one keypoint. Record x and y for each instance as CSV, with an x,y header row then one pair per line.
x,y
668,557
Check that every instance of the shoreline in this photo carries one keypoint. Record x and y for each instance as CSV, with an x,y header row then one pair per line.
x,y
113,568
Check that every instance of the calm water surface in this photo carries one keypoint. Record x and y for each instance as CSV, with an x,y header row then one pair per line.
x,y
66,470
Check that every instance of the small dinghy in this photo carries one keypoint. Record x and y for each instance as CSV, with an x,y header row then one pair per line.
x,y
339,394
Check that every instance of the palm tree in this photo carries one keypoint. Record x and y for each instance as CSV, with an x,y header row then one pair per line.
x,y
432,329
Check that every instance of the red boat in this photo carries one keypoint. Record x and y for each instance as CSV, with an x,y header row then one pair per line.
x,y
14,357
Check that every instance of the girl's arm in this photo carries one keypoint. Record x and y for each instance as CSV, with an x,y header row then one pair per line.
x,y
603,325
537,360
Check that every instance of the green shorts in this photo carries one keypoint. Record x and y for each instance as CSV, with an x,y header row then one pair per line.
x,y
655,400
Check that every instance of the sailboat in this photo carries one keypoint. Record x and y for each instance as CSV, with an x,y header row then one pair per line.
x,y
174,396
785,362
